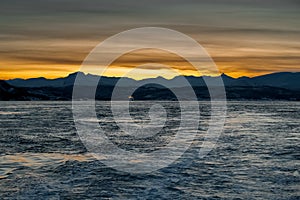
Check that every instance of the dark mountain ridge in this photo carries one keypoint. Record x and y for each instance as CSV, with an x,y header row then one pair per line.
x,y
277,86
286,80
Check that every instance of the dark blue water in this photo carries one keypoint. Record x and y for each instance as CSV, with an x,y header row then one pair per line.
x,y
257,156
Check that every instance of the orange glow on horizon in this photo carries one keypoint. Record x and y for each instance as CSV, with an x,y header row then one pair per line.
x,y
234,66
119,71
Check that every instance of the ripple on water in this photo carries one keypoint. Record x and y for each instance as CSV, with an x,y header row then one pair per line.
x,y
257,156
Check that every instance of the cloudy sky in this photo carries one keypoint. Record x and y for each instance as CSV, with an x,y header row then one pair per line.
x,y
51,38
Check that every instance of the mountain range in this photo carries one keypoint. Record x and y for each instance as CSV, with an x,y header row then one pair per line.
x,y
276,86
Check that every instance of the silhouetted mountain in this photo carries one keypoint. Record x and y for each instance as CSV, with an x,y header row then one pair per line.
x,y
287,80
8,92
43,82
285,85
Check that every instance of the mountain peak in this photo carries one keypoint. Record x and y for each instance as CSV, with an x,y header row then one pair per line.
x,y
75,74
223,75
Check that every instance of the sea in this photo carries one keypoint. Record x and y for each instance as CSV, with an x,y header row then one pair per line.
x,y
256,156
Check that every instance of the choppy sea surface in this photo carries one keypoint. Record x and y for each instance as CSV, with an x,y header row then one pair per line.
x,y
257,155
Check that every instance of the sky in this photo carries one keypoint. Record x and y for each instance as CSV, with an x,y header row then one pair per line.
x,y
51,38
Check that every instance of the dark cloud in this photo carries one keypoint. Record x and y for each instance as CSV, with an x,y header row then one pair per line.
x,y
51,32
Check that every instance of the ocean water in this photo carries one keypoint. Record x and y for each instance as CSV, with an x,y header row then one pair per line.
x,y
257,155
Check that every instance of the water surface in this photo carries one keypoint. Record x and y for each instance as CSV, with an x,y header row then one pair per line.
x,y
257,156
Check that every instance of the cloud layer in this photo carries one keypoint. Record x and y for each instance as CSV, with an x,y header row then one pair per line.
x,y
51,38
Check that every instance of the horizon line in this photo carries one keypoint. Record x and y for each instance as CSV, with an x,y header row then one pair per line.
x,y
149,78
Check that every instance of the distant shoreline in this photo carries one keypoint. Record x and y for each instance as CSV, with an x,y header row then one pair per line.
x,y
279,86
227,100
